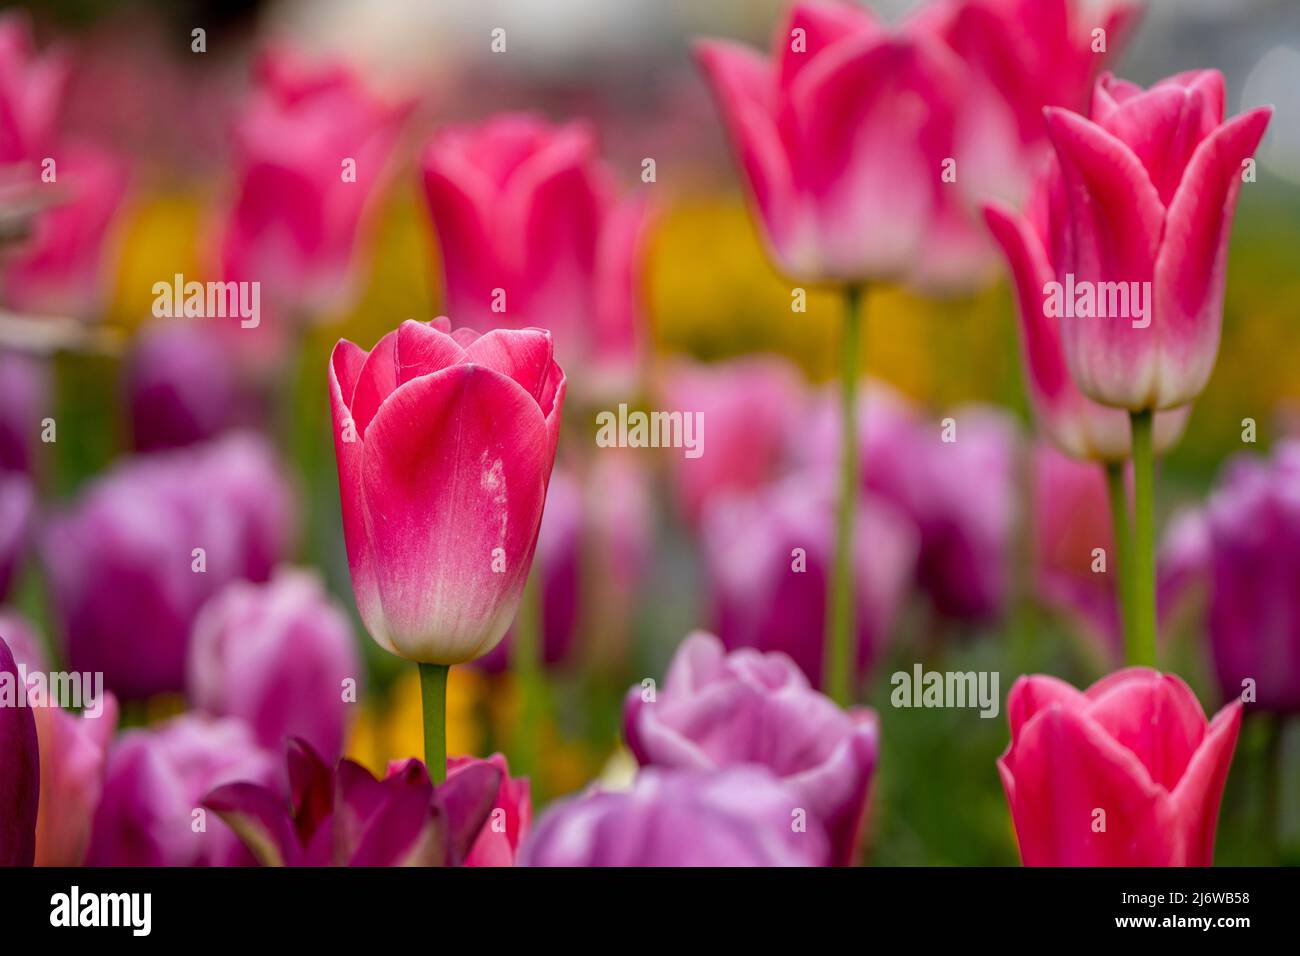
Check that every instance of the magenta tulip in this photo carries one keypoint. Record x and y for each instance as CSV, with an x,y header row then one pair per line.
x,y
741,816
1150,182
24,404
1126,773
841,135
532,232
277,656
445,444
20,773
508,824
342,816
17,511
31,92
720,710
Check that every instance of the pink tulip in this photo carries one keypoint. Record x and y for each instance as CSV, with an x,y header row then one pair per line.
x,y
531,232
276,655
311,150
507,826
720,710
1034,245
1126,773
24,404
17,518
31,92
841,135
20,775
1151,183
445,444
751,409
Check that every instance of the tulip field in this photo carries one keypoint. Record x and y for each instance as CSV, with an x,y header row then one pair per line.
x,y
633,433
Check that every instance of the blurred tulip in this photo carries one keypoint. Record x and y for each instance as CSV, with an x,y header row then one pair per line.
x,y
1252,540
559,552
311,148
768,557
17,508
1151,183
508,823
343,816
180,385
24,402
154,784
20,774
532,233
1126,773
1034,245
450,440
276,655
62,267
841,136
149,542
720,710
31,91
23,643
741,816
751,409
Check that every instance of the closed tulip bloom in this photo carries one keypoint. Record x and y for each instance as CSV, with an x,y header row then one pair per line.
x,y
20,774
445,444
298,214
840,135
719,709
144,547
24,403
181,385
531,230
31,91
1252,540
507,826
768,557
742,816
1151,183
155,780
276,655
1035,248
1126,773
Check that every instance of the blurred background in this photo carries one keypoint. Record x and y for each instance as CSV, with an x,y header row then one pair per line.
x,y
706,295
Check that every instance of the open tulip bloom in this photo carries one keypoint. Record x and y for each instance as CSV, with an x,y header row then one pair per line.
x,y
445,442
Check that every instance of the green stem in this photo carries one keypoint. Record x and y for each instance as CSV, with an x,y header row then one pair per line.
x,y
840,622
1123,557
1143,573
526,660
433,695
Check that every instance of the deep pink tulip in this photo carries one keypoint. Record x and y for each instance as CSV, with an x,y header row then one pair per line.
x,y
124,575
532,231
17,511
342,816
1151,183
62,267
24,403
751,408
1035,248
276,655
1126,773
311,151
724,710
181,385
20,775
507,825
31,92
768,556
841,135
445,444
155,782
741,816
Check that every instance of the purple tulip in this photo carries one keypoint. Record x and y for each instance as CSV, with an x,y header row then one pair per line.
x,y
17,503
20,772
741,816
24,394
345,817
768,556
151,810
180,385
126,571
276,655
719,710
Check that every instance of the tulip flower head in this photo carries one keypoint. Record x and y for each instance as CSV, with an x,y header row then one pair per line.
x,y
445,443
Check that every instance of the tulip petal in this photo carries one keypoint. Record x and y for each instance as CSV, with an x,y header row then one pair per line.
x,y
468,796
375,382
20,774
423,349
822,24
1201,788
260,819
1159,720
